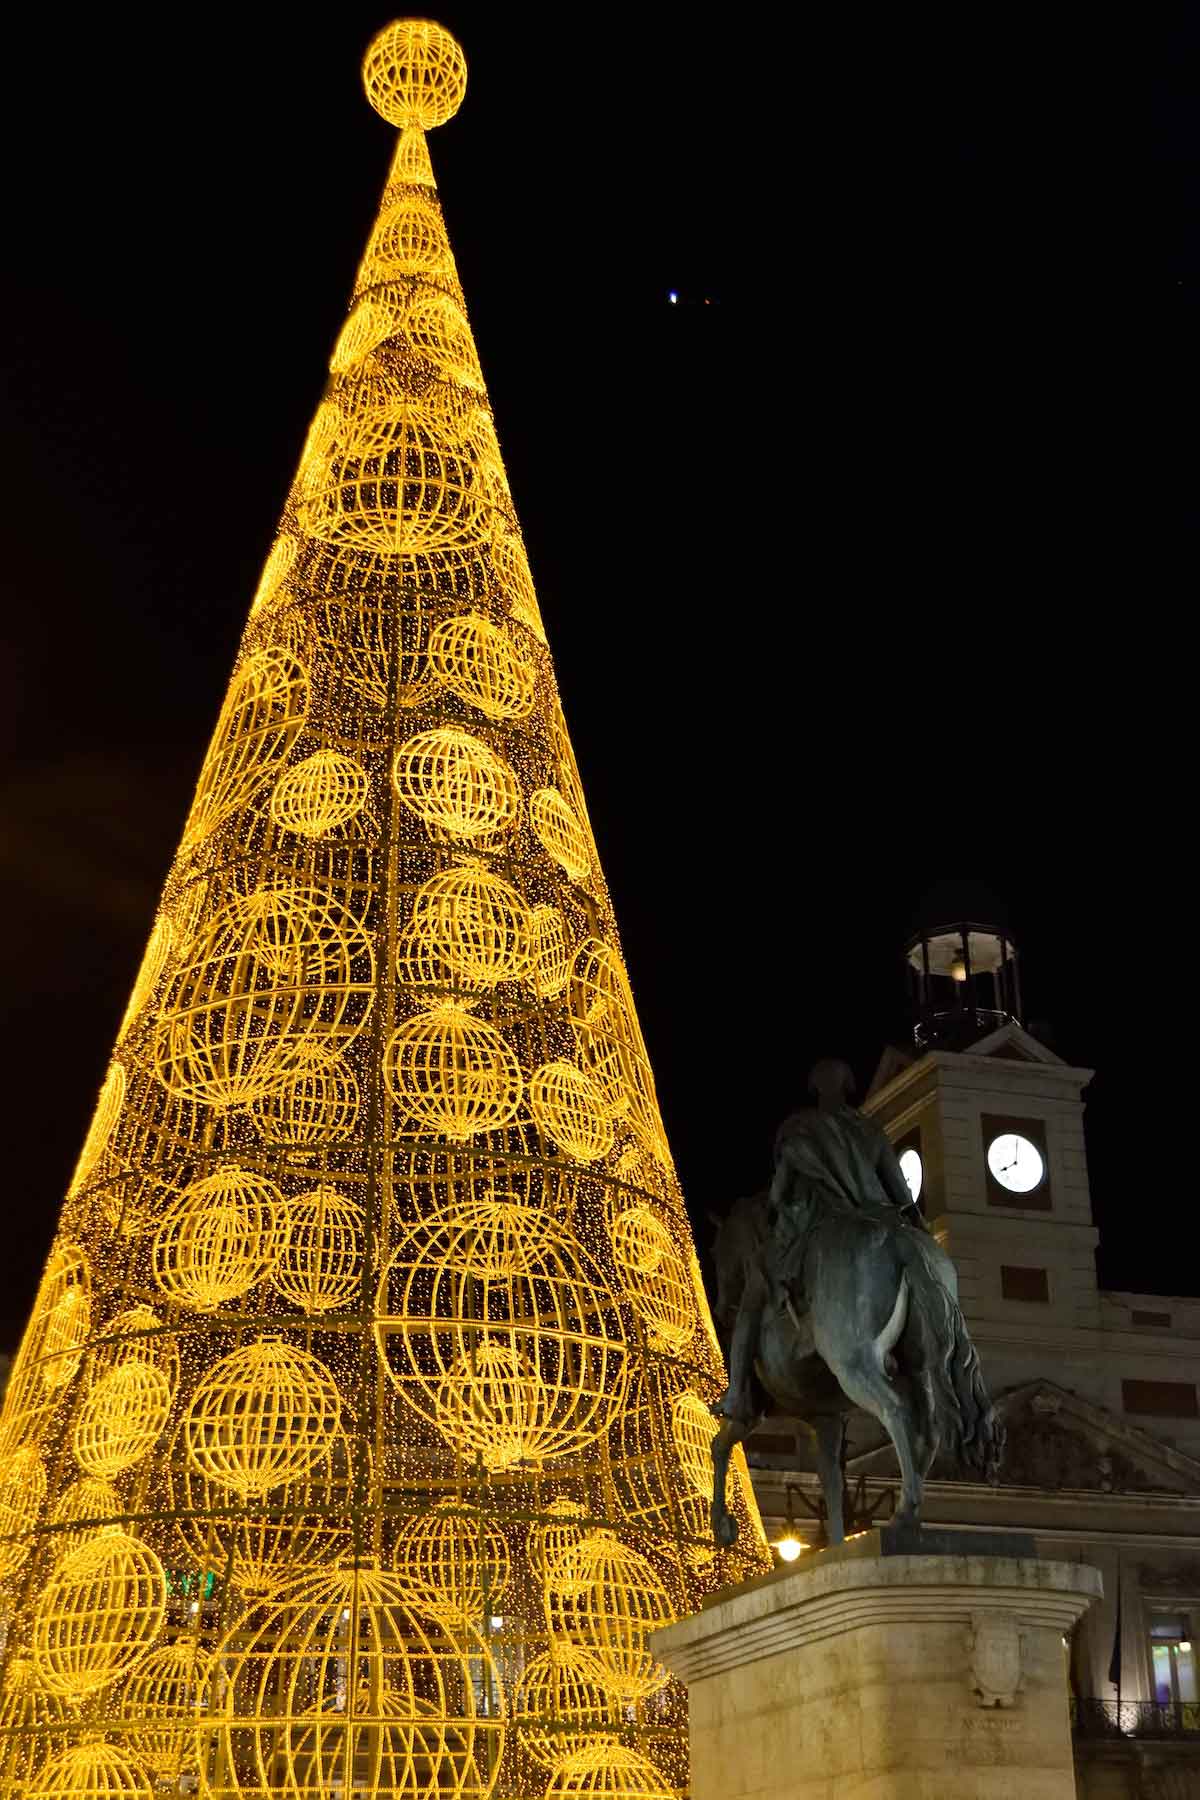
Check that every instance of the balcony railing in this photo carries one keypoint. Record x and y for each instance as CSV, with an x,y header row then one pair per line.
x,y
1135,1718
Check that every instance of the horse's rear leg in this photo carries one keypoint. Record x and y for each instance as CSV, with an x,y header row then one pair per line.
x,y
830,1433
900,1410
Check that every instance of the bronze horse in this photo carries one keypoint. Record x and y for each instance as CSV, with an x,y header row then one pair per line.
x,y
869,1318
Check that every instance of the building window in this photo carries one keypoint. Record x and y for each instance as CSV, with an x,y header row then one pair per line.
x,y
1024,1284
1161,1399
1173,1660
1153,1321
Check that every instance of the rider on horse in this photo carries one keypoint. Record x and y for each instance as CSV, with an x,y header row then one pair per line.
x,y
828,1158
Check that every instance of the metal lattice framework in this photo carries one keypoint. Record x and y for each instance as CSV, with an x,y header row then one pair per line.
x,y
358,1438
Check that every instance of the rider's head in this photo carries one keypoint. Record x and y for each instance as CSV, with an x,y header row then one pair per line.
x,y
832,1081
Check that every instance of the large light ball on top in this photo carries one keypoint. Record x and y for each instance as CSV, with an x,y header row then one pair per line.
x,y
415,73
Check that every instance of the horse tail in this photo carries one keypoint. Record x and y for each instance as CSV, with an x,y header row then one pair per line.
x,y
970,1429
888,1338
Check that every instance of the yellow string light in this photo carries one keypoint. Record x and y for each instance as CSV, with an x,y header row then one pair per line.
x,y
375,1247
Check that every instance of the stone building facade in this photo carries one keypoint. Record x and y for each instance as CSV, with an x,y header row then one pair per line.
x,y
1100,1392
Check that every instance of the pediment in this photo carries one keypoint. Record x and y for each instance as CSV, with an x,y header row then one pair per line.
x,y
1058,1440
1012,1043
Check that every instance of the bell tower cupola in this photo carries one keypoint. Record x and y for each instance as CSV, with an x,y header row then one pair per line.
x,y
962,968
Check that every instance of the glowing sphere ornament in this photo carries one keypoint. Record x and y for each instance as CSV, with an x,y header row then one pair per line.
x,y
605,1598
86,1505
559,1709
158,1708
262,1416
456,783
656,1278
275,978
319,795
569,1107
451,1074
320,1106
263,714
368,1689
52,1347
320,1267
610,1772
484,665
224,1236
305,1523
22,1492
98,1615
415,73
473,923
561,833
497,1327
91,1771
456,1564
104,1121
122,1418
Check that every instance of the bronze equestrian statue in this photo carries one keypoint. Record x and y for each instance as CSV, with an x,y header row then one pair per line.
x,y
839,1297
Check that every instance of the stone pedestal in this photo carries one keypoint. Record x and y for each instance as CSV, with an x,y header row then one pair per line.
x,y
918,1668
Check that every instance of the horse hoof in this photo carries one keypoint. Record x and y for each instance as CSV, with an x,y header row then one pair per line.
x,y
725,1530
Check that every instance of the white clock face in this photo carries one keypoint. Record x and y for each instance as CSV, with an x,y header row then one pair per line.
x,y
1015,1163
912,1171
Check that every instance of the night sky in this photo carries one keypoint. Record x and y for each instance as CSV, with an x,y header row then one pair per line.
x,y
840,571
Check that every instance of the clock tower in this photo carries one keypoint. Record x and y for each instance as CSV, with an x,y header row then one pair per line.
x,y
988,1123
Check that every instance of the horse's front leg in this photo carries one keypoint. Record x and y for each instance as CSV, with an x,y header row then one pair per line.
x,y
830,1433
724,1525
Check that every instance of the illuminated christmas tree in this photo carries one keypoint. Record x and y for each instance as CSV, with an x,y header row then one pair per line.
x,y
359,1435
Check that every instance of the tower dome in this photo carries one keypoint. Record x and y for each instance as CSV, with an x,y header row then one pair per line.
x,y
962,968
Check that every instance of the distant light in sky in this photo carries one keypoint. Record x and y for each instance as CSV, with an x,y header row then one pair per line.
x,y
673,297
